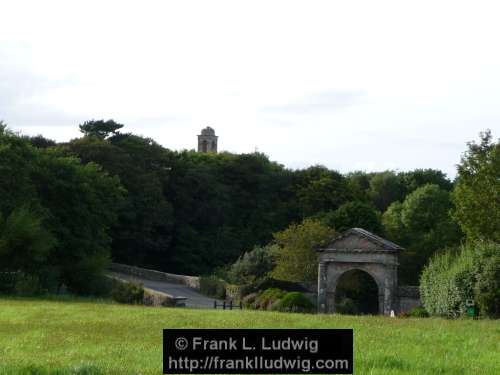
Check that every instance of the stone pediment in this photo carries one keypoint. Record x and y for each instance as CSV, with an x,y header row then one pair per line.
x,y
360,240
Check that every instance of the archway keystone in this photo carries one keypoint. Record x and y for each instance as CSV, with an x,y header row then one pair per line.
x,y
358,249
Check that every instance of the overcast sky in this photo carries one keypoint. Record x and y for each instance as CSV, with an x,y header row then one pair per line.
x,y
351,85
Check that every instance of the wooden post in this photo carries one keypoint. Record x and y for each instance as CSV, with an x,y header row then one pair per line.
x,y
241,305
215,304
224,305
231,305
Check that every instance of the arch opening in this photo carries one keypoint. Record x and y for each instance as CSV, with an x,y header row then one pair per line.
x,y
356,293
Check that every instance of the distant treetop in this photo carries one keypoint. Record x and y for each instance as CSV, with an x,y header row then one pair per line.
x,y
100,128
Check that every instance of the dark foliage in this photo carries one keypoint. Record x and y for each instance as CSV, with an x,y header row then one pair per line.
x,y
127,292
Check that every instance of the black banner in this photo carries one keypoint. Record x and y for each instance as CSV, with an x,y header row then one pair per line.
x,y
256,351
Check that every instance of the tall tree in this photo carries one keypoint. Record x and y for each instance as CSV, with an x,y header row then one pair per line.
x,y
295,256
385,188
477,192
412,180
45,195
355,214
422,224
320,190
100,128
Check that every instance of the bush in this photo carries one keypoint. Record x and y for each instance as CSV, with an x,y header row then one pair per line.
x,y
487,283
251,266
445,284
268,282
452,278
8,281
213,287
127,292
27,285
416,312
294,302
269,296
249,300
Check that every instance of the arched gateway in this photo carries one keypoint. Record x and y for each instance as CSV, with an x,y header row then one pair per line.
x,y
358,249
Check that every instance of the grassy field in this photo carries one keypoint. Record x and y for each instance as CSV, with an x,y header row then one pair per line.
x,y
92,337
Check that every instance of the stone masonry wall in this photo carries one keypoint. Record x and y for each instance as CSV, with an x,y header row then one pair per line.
x,y
409,298
190,281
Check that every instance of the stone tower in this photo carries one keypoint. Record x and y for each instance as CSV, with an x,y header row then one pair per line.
x,y
207,140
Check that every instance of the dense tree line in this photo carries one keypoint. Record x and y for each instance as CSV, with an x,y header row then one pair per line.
x,y
55,217
191,212
116,195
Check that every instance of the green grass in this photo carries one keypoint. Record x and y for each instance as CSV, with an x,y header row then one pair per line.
x,y
91,337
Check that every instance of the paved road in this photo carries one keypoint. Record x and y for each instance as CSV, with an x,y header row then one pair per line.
x,y
194,298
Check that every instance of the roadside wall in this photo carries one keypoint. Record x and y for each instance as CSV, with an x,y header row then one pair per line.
x,y
409,298
190,281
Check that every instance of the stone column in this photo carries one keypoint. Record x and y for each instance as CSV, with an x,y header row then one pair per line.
x,y
322,274
381,298
387,295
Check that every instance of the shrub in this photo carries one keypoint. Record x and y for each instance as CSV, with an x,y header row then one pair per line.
x,y
445,284
268,282
416,312
127,292
265,299
452,278
249,300
27,285
487,282
251,266
213,287
294,302
8,281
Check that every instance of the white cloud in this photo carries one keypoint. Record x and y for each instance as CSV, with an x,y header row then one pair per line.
x,y
356,84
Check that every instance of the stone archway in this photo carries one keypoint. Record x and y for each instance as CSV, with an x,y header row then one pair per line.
x,y
357,292
365,251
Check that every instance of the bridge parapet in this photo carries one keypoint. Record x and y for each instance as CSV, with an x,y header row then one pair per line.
x,y
190,281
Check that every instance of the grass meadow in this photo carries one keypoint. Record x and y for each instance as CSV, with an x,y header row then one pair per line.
x,y
51,336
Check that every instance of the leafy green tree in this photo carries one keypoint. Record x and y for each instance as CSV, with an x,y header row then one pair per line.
x,y
359,185
77,203
25,244
412,180
385,188
143,232
295,257
477,191
224,203
83,202
422,224
3,127
487,277
355,214
251,266
40,141
393,224
426,209
100,128
320,190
